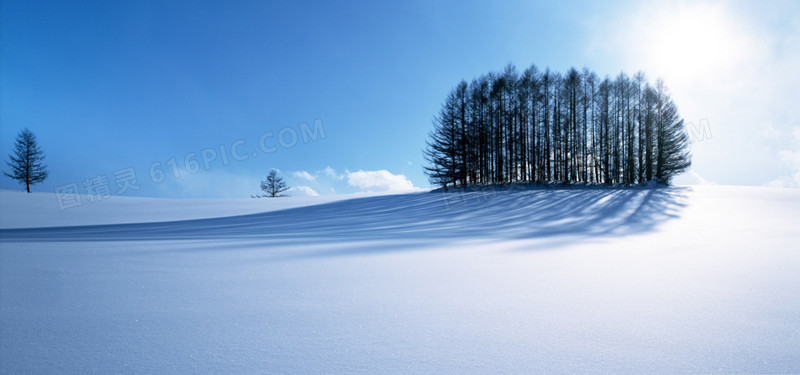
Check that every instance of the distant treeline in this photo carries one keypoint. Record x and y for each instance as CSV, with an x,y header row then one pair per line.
x,y
545,127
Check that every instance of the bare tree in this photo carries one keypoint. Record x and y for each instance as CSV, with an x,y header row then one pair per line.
x,y
26,162
273,186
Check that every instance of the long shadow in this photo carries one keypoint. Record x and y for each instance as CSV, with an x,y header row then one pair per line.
x,y
399,221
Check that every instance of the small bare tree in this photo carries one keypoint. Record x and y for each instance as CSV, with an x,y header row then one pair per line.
x,y
273,186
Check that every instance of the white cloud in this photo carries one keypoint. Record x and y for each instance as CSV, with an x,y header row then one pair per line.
x,y
303,175
379,181
791,160
330,172
302,191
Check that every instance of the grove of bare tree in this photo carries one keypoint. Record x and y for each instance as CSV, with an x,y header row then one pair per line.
x,y
546,127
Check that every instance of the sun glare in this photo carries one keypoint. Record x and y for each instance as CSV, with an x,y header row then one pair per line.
x,y
692,42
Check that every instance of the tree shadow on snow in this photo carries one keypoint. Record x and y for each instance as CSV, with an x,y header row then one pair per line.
x,y
400,222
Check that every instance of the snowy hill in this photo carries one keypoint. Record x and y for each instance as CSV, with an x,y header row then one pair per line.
x,y
21,210
681,280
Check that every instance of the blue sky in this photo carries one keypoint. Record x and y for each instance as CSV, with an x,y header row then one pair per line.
x,y
109,86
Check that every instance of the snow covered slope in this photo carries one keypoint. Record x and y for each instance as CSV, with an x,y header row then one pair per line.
x,y
680,280
22,210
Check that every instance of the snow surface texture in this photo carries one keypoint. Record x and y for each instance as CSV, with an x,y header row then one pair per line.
x,y
680,280
20,210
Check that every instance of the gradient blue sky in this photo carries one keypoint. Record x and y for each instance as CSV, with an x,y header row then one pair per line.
x,y
114,85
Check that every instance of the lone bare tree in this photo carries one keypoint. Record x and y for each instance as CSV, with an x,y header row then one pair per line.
x,y
273,186
26,162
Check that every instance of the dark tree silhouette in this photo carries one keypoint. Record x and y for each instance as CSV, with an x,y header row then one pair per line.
x,y
672,140
544,127
26,162
273,186
442,153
